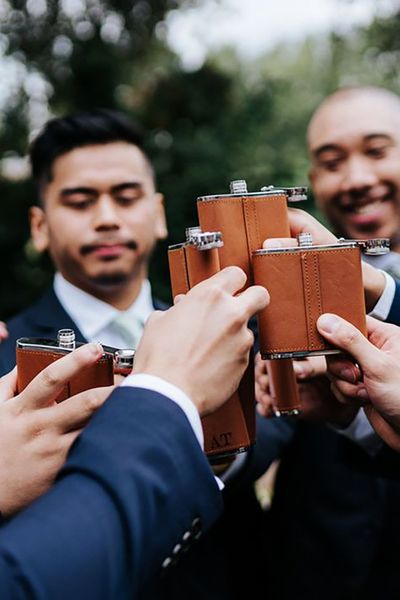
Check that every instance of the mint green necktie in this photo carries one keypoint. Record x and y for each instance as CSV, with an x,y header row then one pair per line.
x,y
129,327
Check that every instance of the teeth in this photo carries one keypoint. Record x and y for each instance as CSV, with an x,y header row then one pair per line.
x,y
367,208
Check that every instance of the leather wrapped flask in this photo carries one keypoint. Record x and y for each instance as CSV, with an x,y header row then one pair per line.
x,y
245,220
283,387
305,282
230,429
35,354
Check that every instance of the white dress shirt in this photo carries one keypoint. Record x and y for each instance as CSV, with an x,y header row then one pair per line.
x,y
94,317
382,308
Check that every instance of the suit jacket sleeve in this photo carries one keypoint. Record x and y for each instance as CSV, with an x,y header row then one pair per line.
x,y
394,313
134,493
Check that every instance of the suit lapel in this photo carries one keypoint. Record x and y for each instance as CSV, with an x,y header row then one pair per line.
x,y
47,316
159,305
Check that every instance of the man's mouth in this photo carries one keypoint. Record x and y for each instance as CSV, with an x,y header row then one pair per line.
x,y
367,209
367,213
108,250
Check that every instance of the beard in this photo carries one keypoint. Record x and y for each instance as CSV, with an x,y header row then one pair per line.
x,y
107,280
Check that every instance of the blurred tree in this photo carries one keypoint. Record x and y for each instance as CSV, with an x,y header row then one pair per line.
x,y
83,48
230,119
70,55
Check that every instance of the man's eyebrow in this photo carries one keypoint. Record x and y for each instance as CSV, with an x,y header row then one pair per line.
x,y
325,148
127,185
374,136
77,190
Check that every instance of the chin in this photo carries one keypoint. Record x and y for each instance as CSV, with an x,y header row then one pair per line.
x,y
113,279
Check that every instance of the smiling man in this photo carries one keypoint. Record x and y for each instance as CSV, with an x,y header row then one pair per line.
x,y
99,216
354,145
334,517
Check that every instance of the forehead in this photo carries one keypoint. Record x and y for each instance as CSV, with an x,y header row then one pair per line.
x,y
350,120
102,164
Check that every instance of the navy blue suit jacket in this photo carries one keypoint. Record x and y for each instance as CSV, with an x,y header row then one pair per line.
x,y
334,525
132,493
42,319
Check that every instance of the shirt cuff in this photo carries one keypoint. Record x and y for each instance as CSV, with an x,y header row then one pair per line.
x,y
361,432
151,382
382,307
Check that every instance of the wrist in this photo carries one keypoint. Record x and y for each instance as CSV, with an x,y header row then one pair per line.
x,y
374,285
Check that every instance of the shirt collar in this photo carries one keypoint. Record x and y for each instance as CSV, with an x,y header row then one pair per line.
x,y
91,314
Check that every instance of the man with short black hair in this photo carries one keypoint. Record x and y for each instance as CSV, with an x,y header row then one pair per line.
x,y
99,216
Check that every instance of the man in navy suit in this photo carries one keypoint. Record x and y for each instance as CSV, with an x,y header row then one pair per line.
x,y
134,494
334,515
99,215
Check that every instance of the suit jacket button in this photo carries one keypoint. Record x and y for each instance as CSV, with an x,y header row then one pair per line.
x,y
187,536
196,528
167,562
177,550
187,540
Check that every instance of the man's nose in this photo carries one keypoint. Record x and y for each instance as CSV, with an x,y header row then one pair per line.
x,y
358,174
106,215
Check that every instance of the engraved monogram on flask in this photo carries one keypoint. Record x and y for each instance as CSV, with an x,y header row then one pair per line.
x,y
223,440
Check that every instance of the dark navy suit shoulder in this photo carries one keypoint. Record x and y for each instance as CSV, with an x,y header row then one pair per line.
x,y
42,319
133,496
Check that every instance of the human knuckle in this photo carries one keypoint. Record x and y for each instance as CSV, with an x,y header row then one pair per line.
x,y
92,400
214,292
237,317
50,377
35,428
349,336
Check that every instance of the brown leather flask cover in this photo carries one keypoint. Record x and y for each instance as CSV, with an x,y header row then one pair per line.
x,y
245,222
230,429
304,283
31,361
189,266
283,387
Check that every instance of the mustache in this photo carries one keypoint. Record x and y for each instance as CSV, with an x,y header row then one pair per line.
x,y
346,201
88,248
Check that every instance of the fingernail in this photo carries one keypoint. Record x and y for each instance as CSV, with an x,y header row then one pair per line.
x,y
348,375
272,243
363,394
95,348
298,369
328,323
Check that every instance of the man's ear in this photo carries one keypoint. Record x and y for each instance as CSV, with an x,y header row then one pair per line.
x,y
161,230
39,228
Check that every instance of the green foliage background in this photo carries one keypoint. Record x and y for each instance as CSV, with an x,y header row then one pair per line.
x,y
229,119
